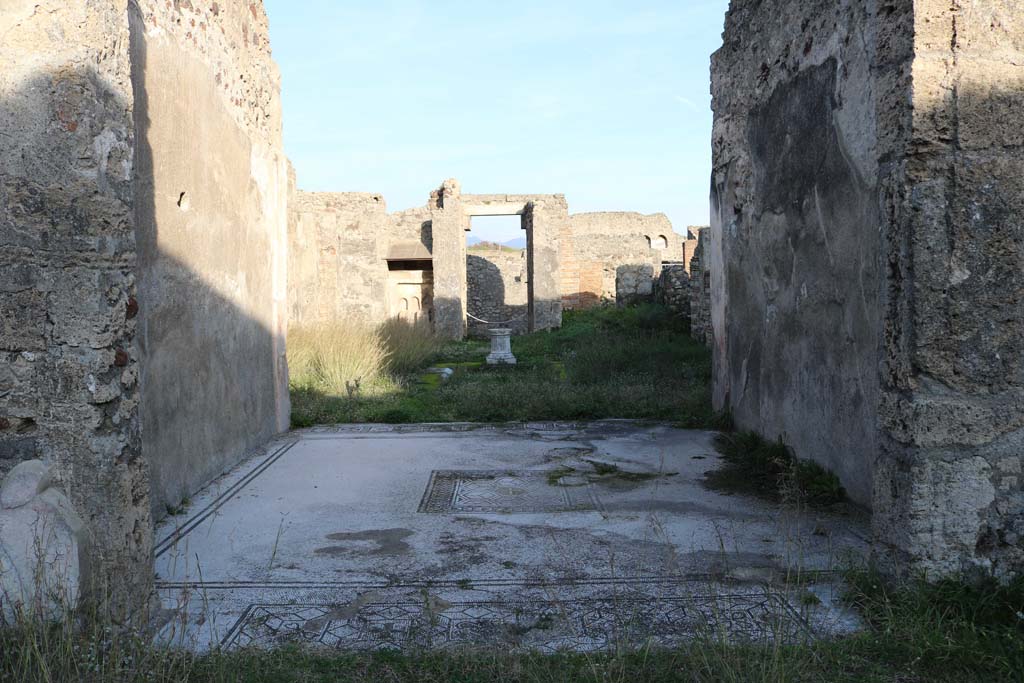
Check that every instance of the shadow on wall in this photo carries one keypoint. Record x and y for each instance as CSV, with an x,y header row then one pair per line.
x,y
427,235
490,299
68,315
212,374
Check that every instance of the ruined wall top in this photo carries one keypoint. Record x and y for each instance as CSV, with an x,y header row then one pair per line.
x,y
233,38
327,201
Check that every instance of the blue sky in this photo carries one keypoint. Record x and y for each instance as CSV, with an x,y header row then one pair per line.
x,y
606,102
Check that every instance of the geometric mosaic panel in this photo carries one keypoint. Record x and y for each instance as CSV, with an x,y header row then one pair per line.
x,y
580,625
454,491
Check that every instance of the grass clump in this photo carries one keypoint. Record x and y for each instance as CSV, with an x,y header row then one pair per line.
x,y
357,360
338,359
953,629
409,347
768,469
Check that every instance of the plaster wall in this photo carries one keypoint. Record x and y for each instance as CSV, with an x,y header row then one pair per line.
x,y
211,216
339,244
336,266
796,248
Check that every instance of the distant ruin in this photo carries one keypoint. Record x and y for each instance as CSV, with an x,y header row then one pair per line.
x,y
351,259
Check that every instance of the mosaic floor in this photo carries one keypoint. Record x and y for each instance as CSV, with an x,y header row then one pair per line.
x,y
633,614
532,537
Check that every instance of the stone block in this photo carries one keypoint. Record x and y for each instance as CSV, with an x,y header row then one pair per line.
x,y
24,483
43,548
990,98
22,321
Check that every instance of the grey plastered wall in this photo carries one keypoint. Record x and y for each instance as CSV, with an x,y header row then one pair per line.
x,y
69,365
211,214
796,248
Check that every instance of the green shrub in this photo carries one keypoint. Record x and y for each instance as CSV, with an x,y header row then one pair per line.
x,y
769,469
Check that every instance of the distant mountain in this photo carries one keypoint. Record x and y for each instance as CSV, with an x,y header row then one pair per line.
x,y
517,243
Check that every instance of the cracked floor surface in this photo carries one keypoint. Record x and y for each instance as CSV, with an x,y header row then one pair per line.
x,y
538,536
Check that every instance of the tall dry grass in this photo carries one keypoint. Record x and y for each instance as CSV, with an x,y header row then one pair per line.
x,y
358,359
410,346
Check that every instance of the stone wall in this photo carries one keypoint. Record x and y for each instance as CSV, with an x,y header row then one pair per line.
x,y
497,289
690,244
544,220
340,243
142,273
865,206
700,291
949,492
211,216
69,363
615,256
673,289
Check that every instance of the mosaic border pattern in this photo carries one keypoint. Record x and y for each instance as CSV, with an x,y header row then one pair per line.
x,y
198,518
460,491
587,624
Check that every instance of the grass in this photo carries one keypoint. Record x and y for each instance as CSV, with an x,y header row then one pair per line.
x,y
768,469
636,362
917,632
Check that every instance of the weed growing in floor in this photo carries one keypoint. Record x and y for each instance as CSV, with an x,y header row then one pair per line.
x,y
947,630
756,466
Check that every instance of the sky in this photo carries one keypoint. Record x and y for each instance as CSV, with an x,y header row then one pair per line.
x,y
605,101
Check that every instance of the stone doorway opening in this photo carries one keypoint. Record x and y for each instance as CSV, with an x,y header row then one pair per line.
x,y
410,283
497,286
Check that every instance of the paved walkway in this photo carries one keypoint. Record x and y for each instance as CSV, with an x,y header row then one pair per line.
x,y
538,536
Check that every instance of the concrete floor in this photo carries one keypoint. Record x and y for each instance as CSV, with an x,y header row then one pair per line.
x,y
537,536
